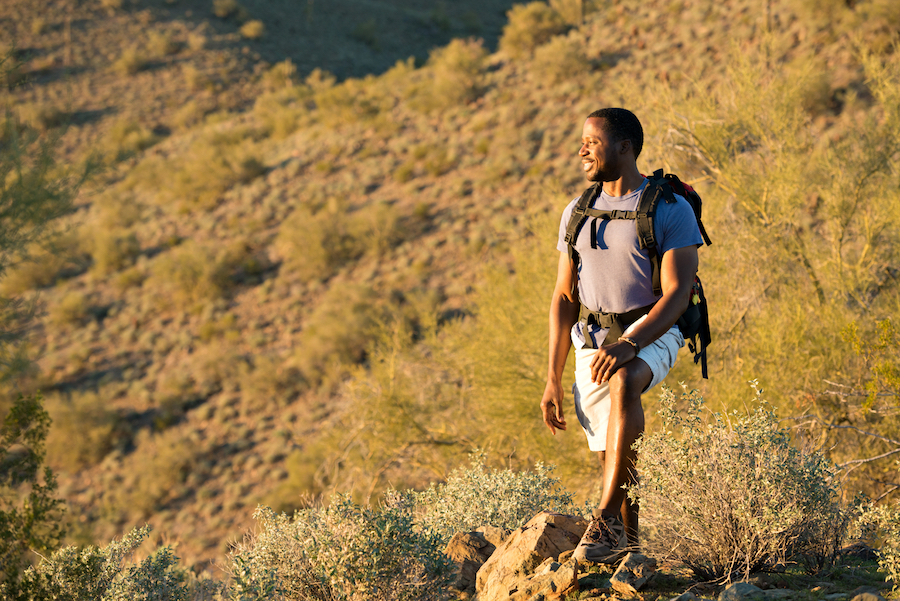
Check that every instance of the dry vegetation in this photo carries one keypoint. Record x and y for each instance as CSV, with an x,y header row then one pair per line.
x,y
283,285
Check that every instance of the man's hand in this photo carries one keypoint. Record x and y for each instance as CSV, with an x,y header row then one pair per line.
x,y
610,358
551,407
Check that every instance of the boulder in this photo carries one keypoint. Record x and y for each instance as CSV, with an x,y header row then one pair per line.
x,y
632,574
468,550
545,536
742,591
550,581
867,596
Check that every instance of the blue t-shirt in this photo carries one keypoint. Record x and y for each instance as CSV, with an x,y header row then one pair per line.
x,y
615,277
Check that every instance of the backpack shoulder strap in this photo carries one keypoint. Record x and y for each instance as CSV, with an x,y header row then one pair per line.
x,y
655,190
578,218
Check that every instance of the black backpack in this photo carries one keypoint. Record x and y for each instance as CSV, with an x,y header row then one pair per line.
x,y
694,323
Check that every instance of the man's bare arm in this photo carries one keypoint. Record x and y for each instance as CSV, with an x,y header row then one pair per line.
x,y
679,266
564,309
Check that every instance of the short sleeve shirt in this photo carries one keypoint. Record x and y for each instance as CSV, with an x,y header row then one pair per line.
x,y
615,277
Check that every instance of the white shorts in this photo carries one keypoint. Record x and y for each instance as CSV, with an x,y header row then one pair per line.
x,y
592,402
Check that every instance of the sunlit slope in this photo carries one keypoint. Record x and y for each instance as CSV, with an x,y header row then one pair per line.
x,y
295,286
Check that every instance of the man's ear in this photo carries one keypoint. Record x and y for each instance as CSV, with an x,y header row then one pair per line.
x,y
626,146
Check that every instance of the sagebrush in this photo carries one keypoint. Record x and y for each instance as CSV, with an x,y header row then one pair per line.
x,y
731,495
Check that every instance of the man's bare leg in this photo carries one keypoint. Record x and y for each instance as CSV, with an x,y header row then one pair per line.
x,y
628,511
626,423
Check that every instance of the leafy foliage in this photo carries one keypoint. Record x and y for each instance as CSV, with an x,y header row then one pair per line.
x,y
461,505
733,496
72,575
30,515
883,522
341,551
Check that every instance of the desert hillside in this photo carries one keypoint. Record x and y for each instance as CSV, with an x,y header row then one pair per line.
x,y
314,253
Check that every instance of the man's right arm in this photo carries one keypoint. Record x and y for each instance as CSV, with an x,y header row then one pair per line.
x,y
564,309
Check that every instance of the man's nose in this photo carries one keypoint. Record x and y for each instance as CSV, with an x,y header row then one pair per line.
x,y
583,150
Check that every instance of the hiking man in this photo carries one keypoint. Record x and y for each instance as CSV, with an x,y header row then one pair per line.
x,y
628,340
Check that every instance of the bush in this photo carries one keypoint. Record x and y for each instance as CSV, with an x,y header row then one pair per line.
x,y
732,496
341,552
30,516
529,26
191,274
457,75
884,522
113,250
461,505
100,574
84,431
71,309
130,62
127,137
561,59
253,30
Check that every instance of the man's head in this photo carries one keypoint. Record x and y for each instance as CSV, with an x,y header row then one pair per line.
x,y
621,124
611,141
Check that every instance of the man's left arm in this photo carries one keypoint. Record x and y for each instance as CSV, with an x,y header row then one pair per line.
x,y
677,270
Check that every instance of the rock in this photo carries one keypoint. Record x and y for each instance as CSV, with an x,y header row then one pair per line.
x,y
469,551
821,587
632,574
836,596
546,535
867,596
860,551
780,593
550,581
685,596
742,591
492,534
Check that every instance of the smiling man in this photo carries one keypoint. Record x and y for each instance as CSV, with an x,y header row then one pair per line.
x,y
626,339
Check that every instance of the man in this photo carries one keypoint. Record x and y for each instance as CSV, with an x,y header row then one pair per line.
x,y
613,275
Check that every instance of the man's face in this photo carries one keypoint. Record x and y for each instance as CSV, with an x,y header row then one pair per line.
x,y
599,154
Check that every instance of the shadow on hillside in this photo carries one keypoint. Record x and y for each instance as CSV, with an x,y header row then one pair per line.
x,y
349,38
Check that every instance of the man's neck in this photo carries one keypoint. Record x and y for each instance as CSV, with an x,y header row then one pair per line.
x,y
630,181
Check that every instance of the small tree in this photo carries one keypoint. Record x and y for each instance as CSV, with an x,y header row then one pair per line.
x,y
29,513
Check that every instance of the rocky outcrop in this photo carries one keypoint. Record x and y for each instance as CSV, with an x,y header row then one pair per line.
x,y
632,574
545,536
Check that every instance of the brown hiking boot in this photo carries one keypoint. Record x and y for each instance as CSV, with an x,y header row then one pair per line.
x,y
604,541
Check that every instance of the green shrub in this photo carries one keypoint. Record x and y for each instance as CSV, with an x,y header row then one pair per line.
x,y
253,29
130,61
733,496
561,59
84,431
45,264
529,26
340,552
70,309
317,245
161,44
457,76
460,504
128,137
225,8
113,250
883,522
156,477
338,333
191,274
101,574
30,516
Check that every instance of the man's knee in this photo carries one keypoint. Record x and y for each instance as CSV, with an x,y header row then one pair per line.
x,y
630,380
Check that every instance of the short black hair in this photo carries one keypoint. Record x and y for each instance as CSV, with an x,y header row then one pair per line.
x,y
621,124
